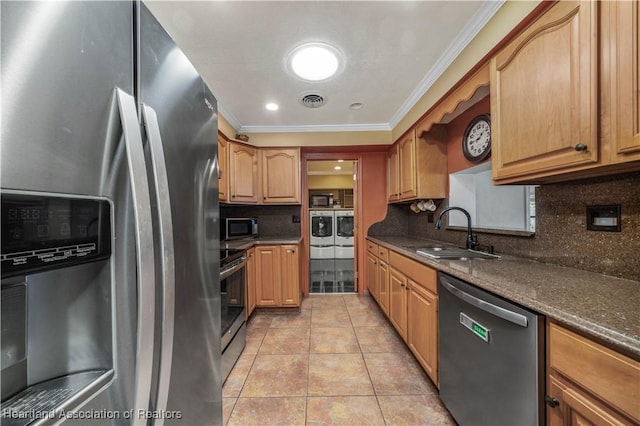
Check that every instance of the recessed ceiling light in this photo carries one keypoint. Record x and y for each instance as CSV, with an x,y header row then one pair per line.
x,y
314,61
271,106
356,105
337,168
340,161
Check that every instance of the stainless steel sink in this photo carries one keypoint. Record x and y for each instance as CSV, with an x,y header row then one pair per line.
x,y
454,253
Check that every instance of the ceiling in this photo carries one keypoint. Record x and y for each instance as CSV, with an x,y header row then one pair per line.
x,y
394,51
328,167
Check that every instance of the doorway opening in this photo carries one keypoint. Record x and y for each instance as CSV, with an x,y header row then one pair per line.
x,y
332,226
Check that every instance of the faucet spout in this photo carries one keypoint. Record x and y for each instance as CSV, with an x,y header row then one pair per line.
x,y
472,242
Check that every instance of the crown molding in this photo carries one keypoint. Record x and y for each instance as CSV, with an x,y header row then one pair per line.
x,y
376,127
475,24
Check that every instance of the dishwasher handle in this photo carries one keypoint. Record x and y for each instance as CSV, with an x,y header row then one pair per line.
x,y
505,314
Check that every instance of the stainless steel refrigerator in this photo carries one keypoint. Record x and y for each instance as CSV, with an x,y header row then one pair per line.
x,y
110,245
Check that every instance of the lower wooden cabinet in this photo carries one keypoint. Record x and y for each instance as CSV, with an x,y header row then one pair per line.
x,y
383,285
422,326
372,275
250,288
588,383
398,301
290,289
277,275
406,291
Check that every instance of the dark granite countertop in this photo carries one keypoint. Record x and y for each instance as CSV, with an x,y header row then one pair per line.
x,y
601,306
247,243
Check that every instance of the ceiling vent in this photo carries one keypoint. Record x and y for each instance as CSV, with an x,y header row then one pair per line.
x,y
312,100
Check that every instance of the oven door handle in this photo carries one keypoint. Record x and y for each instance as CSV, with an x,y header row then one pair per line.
x,y
226,273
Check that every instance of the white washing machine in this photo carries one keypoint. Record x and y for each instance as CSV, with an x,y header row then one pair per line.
x,y
344,234
322,239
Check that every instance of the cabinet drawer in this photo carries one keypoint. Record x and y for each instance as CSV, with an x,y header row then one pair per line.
x,y
372,248
421,274
609,375
383,253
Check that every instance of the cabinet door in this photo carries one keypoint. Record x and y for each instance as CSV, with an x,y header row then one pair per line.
x,y
422,328
407,169
393,183
544,100
243,173
223,169
398,301
251,282
383,286
280,176
268,276
577,408
621,81
290,275
372,276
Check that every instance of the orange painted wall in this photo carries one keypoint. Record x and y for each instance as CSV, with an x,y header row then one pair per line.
x,y
371,198
455,131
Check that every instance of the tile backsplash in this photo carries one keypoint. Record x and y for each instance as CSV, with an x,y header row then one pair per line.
x,y
561,234
273,221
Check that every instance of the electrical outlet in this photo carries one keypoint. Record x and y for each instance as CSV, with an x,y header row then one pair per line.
x,y
295,219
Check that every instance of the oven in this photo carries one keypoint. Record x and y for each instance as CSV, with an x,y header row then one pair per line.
x,y
233,264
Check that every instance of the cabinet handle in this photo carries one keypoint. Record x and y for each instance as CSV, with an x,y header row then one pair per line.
x,y
401,284
551,401
580,147
264,198
233,196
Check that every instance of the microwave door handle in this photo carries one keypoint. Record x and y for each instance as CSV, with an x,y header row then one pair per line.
x,y
167,259
144,253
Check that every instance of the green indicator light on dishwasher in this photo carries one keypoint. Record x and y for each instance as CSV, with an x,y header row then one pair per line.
x,y
479,330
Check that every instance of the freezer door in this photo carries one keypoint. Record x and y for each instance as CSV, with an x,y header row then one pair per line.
x,y
63,65
186,115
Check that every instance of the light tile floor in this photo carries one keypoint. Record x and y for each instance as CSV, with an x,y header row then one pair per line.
x,y
336,361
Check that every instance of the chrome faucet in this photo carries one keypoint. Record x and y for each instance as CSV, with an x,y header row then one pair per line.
x,y
472,240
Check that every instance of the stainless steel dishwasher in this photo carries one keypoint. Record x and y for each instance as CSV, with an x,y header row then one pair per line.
x,y
491,357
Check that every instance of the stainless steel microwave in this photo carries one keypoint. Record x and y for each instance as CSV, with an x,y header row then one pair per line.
x,y
240,227
321,200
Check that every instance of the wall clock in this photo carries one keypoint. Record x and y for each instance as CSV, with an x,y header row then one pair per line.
x,y
476,142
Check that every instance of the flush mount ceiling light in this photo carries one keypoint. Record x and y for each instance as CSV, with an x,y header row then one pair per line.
x,y
314,61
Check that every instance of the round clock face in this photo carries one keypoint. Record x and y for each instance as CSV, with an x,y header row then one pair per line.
x,y
476,143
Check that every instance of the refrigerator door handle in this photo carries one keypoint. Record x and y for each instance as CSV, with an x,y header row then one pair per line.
x,y
505,314
167,260
144,253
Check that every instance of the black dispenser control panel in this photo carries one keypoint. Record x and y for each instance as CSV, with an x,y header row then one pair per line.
x,y
43,232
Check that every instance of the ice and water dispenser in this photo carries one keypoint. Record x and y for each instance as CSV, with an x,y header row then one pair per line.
x,y
56,317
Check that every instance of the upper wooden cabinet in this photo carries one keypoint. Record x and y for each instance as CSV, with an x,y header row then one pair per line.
x,y
250,175
223,169
393,179
417,165
280,176
620,95
243,173
544,92
564,95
